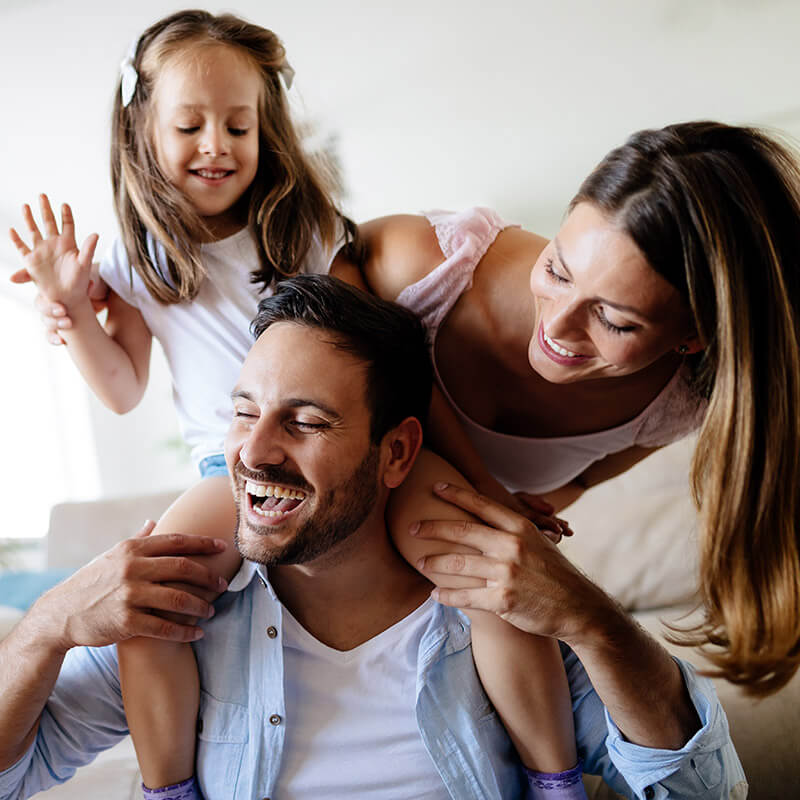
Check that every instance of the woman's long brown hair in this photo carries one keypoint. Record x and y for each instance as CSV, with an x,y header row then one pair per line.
x,y
716,210
289,203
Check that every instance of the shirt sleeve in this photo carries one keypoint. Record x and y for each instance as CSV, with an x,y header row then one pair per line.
x,y
83,717
706,767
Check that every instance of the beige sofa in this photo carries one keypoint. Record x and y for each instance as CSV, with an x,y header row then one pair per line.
x,y
634,536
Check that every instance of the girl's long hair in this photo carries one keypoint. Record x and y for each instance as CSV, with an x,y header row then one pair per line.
x,y
289,203
716,210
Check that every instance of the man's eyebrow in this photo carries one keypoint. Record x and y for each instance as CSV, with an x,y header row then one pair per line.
x,y
292,402
618,306
303,402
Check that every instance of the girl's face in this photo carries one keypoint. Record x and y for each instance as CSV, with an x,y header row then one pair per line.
x,y
205,131
601,310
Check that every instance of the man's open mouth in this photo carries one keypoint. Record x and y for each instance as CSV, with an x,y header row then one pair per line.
x,y
272,500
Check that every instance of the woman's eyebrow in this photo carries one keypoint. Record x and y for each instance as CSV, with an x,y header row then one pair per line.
x,y
611,303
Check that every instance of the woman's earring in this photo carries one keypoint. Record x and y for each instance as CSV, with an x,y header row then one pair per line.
x,y
682,349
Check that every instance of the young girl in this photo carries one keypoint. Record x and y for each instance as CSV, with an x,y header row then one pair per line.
x,y
215,201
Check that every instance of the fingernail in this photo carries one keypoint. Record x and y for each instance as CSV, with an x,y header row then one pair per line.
x,y
198,634
211,612
221,543
440,486
413,529
62,323
222,583
421,563
435,595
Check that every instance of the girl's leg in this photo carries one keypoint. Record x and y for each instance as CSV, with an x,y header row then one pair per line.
x,y
160,686
522,674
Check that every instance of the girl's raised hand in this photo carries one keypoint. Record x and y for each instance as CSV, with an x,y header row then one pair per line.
x,y
60,270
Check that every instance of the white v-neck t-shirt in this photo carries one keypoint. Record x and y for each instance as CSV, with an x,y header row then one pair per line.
x,y
351,727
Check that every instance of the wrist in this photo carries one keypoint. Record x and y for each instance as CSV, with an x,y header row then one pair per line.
x,y
599,623
45,624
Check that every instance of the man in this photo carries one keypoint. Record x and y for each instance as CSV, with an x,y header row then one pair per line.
x,y
327,670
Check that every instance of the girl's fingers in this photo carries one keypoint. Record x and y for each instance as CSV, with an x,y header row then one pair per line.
x,y
86,253
67,221
490,511
48,217
27,215
16,239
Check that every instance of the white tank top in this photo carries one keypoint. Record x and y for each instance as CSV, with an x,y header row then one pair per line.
x,y
524,463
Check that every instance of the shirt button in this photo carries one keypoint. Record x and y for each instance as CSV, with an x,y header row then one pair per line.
x,y
272,632
275,719
649,793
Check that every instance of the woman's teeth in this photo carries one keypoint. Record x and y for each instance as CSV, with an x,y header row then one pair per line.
x,y
562,351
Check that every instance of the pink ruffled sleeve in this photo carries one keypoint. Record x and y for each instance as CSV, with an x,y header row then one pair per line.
x,y
464,238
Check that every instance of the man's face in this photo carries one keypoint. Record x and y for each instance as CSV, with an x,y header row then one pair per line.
x,y
303,469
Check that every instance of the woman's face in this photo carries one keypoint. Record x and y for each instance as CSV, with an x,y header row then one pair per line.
x,y
601,310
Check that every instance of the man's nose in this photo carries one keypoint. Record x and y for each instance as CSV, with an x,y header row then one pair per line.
x,y
263,446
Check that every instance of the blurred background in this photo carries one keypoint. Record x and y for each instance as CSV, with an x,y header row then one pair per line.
x,y
427,103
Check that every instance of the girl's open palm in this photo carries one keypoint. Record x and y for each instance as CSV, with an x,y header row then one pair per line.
x,y
61,271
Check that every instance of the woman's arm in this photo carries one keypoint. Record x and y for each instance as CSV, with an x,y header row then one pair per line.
x,y
603,470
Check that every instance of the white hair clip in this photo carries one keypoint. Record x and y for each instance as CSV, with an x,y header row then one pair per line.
x,y
129,76
287,73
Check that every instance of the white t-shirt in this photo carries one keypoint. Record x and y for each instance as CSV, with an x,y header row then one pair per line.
x,y
206,340
351,726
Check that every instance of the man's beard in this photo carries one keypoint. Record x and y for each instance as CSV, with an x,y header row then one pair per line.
x,y
340,512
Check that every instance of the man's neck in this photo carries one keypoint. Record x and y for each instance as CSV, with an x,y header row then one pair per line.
x,y
351,594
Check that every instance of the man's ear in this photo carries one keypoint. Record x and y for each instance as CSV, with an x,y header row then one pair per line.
x,y
399,450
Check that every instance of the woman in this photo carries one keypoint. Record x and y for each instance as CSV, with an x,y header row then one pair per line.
x,y
668,300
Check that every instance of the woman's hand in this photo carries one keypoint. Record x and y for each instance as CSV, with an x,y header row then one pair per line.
x,y
529,583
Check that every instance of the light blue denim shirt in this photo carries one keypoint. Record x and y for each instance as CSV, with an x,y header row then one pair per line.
x,y
243,717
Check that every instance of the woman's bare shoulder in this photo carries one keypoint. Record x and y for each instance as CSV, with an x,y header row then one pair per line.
x,y
401,250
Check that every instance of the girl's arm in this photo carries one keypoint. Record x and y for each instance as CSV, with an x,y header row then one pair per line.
x,y
113,360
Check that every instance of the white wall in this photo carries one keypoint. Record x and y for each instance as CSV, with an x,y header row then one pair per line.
x,y
434,104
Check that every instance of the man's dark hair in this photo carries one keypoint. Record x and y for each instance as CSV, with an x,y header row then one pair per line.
x,y
389,339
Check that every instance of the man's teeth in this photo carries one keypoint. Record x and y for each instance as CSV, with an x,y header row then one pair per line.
x,y
270,490
562,351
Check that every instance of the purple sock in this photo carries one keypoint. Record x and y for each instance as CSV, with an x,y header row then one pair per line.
x,y
186,790
557,785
